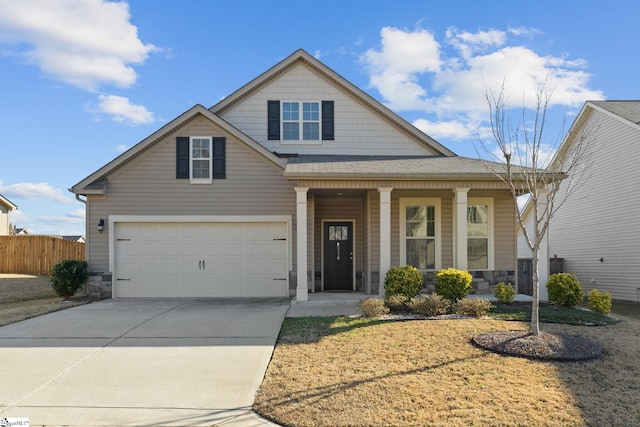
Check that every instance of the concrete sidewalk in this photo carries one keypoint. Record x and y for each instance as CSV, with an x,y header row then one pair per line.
x,y
140,362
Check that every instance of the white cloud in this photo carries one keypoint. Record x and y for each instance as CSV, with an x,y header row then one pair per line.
x,y
394,69
453,130
31,191
410,74
122,148
85,43
123,111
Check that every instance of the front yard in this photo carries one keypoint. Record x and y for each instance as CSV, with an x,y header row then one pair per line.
x,y
366,372
23,296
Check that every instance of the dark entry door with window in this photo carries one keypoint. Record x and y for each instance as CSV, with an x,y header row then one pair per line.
x,y
338,256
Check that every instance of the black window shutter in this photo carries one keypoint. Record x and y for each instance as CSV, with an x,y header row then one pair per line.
x,y
327,121
182,157
219,158
273,119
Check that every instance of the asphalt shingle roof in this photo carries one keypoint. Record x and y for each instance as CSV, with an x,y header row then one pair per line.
x,y
629,110
403,167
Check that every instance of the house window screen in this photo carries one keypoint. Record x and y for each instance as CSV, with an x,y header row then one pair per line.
x,y
478,237
420,236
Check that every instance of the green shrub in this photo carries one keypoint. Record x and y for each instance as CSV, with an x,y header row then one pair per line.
x,y
405,281
396,302
599,301
429,305
505,293
453,284
67,276
474,307
565,289
373,307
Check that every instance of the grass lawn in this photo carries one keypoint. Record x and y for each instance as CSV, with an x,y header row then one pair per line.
x,y
24,296
338,371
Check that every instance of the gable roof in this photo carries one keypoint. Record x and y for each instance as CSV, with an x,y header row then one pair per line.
x,y
628,110
96,183
10,206
301,56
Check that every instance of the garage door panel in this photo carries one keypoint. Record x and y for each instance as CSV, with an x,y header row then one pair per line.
x,y
201,260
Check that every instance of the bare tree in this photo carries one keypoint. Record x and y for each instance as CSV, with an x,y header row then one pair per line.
x,y
523,164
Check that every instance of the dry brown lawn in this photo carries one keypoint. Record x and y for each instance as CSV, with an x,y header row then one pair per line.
x,y
24,296
355,372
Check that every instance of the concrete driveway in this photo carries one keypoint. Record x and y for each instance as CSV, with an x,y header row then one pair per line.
x,y
140,362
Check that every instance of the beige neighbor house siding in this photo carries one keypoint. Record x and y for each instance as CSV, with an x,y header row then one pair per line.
x,y
358,130
4,221
596,231
147,185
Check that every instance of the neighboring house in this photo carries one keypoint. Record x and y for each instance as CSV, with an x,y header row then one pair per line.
x,y
22,232
5,207
79,239
298,181
595,233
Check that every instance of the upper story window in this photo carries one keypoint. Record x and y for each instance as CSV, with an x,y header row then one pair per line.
x,y
201,159
300,122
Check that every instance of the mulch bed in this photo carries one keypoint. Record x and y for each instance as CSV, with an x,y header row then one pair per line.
x,y
544,346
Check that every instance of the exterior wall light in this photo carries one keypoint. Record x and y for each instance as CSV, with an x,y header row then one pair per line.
x,y
101,226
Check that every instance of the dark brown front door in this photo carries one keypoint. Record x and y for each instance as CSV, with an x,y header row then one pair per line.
x,y
338,256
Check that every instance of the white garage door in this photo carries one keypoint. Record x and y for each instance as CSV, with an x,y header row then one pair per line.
x,y
200,260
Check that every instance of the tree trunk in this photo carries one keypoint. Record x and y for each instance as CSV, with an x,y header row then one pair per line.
x,y
535,304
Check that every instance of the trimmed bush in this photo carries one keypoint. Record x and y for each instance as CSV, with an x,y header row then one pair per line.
x,y
373,307
504,293
429,305
405,281
474,307
599,301
396,302
565,289
67,276
453,284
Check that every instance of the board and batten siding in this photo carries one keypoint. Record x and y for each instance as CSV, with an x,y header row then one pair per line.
x,y
600,220
358,129
147,185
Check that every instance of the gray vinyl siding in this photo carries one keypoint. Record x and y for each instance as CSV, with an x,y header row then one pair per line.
x,y
600,219
147,186
504,233
358,129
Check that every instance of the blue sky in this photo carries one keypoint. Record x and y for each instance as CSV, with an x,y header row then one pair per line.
x,y
83,80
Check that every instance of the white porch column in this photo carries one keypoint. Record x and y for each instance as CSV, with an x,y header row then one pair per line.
x,y
302,289
460,223
385,235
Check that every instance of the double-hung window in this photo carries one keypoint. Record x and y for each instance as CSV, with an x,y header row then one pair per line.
x,y
480,234
301,121
420,233
201,159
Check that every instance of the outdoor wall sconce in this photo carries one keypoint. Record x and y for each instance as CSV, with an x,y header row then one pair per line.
x,y
101,225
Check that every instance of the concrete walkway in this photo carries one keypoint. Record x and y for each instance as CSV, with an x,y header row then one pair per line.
x,y
140,362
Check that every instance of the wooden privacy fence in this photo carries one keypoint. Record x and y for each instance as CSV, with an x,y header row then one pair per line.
x,y
36,254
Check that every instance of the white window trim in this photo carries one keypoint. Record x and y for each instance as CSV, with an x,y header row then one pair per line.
x,y
300,140
200,180
418,201
488,201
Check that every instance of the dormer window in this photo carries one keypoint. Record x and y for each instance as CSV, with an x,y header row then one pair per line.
x,y
300,122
